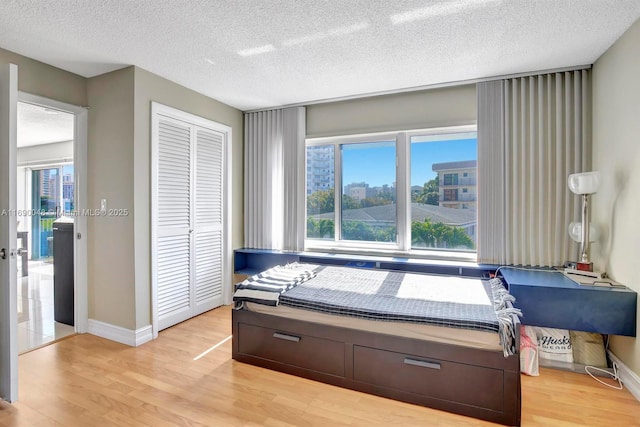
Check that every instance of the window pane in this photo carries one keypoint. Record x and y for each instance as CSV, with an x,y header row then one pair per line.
x,y
320,192
369,192
450,179
443,214
68,189
450,194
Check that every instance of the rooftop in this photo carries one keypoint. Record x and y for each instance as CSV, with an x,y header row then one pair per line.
x,y
464,164
419,212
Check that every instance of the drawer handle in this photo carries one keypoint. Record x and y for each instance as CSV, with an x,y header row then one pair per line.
x,y
421,363
286,337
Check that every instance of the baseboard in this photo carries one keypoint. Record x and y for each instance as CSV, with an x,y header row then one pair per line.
x,y
630,379
120,334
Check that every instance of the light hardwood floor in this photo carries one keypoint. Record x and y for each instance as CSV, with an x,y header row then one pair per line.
x,y
88,381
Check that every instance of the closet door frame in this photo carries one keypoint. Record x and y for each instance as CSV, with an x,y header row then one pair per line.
x,y
159,111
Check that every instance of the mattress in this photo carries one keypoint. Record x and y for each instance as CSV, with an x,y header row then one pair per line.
x,y
450,301
462,337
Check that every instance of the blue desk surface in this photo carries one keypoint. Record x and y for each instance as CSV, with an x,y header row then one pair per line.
x,y
553,300
251,261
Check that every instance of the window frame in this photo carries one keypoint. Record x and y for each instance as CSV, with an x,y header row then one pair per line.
x,y
403,195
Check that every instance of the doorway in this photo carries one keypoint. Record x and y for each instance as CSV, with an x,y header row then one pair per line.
x,y
45,197
10,250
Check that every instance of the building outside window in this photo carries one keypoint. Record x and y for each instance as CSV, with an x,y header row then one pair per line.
x,y
448,173
319,168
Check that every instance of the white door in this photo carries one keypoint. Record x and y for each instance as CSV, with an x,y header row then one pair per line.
x,y
208,219
173,218
8,236
190,219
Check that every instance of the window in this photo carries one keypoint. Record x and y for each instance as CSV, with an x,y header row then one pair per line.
x,y
450,179
368,211
439,219
387,191
52,196
450,194
320,192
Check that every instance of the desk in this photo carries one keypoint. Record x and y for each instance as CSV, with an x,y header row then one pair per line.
x,y
253,261
23,236
553,300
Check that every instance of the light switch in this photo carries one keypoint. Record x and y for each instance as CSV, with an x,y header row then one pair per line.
x,y
103,206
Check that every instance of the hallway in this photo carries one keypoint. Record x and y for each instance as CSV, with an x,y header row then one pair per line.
x,y
36,325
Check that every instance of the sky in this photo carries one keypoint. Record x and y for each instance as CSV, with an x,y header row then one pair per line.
x,y
375,165
66,170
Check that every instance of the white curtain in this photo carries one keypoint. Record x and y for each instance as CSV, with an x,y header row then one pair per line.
x,y
294,133
491,174
274,179
532,133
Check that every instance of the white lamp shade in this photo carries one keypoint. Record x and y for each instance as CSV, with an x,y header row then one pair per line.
x,y
584,183
575,231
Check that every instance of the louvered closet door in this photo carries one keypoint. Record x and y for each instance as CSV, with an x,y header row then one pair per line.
x,y
189,220
174,217
208,219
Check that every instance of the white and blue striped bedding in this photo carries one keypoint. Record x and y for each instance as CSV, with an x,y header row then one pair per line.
x,y
266,287
456,302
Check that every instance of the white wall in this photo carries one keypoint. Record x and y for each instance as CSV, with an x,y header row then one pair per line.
x,y
57,152
451,106
37,78
110,257
616,154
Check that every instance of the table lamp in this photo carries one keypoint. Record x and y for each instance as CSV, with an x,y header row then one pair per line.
x,y
584,184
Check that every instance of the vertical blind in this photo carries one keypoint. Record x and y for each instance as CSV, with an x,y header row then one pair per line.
x,y
274,178
532,133
294,132
491,173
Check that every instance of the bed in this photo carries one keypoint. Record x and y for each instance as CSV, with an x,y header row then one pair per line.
x,y
457,362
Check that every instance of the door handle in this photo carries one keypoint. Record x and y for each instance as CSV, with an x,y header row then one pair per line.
x,y
3,253
21,252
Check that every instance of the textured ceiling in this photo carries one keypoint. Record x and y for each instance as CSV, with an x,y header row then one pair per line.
x,y
256,54
38,125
